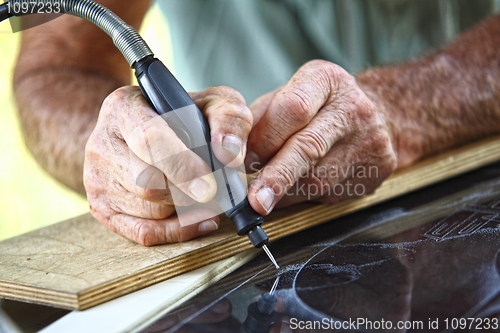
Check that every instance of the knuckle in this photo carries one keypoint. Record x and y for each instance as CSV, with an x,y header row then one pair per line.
x,y
364,108
145,234
379,150
243,113
338,73
393,163
97,213
93,184
238,113
283,178
313,145
115,97
174,234
315,63
179,170
389,167
100,211
297,105
119,97
320,64
329,70
95,146
381,144
161,211
135,98
233,93
126,92
108,103
226,92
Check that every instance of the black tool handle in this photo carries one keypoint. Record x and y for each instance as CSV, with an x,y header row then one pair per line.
x,y
169,99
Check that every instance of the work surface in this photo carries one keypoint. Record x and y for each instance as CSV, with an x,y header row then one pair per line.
x,y
78,263
427,258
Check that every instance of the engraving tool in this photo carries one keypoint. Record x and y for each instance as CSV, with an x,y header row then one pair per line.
x,y
169,99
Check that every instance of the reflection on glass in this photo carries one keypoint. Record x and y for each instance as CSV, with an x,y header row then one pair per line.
x,y
432,269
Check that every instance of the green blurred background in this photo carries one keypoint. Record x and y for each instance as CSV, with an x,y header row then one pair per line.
x,y
29,197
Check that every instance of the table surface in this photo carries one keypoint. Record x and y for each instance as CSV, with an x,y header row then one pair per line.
x,y
429,254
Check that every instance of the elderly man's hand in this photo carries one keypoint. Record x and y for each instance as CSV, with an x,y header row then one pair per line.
x,y
132,152
317,138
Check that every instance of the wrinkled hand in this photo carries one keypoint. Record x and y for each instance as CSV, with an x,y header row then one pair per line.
x,y
320,138
130,137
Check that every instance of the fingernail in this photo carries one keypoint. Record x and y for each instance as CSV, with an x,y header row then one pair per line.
x,y
199,188
265,196
208,226
233,144
221,307
253,162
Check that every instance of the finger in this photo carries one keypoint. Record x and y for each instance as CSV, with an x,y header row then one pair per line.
x,y
149,183
132,205
305,190
230,122
145,222
150,232
324,177
110,197
136,176
261,104
337,178
302,151
154,142
291,109
122,201
258,108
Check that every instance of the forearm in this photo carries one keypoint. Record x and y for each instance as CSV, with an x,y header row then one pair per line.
x,y
65,69
442,100
58,111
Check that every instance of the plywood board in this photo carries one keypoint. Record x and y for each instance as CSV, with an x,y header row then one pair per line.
x,y
137,310
77,264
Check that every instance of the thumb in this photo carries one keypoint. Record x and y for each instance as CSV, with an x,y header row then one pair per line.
x,y
149,232
260,105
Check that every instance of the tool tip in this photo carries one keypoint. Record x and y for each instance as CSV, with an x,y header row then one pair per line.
x,y
270,256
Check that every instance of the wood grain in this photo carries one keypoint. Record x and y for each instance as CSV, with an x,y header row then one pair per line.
x,y
136,311
77,264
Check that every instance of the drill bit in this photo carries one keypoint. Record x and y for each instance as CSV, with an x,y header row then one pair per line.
x,y
270,256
